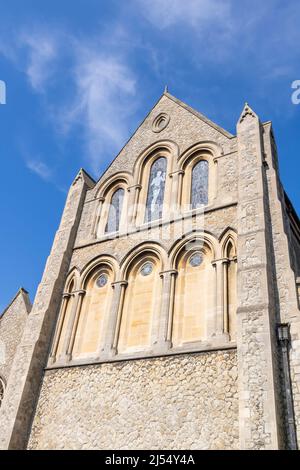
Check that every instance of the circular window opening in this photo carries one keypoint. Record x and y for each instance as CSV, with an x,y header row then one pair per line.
x,y
196,259
102,280
160,122
146,269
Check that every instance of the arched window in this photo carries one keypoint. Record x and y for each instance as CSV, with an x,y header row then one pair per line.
x,y
2,387
141,305
156,190
199,189
94,311
194,296
115,211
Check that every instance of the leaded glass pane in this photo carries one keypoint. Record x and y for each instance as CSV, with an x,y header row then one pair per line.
x,y
115,209
102,280
156,190
196,259
199,194
147,269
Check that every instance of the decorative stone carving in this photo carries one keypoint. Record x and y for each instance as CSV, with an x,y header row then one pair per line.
x,y
160,122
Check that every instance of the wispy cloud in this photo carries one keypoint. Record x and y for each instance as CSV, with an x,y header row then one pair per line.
x,y
40,168
34,52
104,100
101,90
95,92
42,51
196,13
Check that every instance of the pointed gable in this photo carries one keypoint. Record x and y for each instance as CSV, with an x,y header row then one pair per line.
x,y
172,120
12,323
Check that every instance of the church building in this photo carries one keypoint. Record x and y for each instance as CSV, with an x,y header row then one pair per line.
x,y
167,316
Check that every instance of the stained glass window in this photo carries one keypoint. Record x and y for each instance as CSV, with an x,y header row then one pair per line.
x,y
147,269
196,259
102,280
199,194
156,190
115,209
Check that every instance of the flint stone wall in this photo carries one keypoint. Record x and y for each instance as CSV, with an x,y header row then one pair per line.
x,y
180,402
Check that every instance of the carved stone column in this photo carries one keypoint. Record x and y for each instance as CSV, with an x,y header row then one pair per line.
x,y
60,323
226,263
177,177
133,200
114,321
164,340
73,324
117,314
95,231
220,305
256,313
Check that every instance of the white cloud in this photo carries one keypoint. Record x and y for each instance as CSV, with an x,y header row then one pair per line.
x,y
39,168
104,100
196,13
101,89
33,52
42,51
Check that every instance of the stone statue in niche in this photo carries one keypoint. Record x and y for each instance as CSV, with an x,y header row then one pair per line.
x,y
115,209
199,193
156,190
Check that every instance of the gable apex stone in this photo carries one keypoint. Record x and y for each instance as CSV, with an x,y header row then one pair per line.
x,y
247,111
83,175
201,116
25,296
185,127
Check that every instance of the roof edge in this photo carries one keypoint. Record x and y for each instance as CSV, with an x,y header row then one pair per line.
x,y
199,115
183,105
26,299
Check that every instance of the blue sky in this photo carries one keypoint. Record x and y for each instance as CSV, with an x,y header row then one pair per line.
x,y
82,74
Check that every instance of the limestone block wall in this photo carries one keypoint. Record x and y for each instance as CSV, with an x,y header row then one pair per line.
x,y
180,402
12,324
185,128
28,365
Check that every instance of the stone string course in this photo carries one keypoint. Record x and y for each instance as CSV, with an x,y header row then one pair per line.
x,y
213,221
181,402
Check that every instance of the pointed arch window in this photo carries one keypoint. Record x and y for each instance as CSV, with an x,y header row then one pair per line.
x,y
199,191
94,313
141,305
194,298
156,190
115,211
